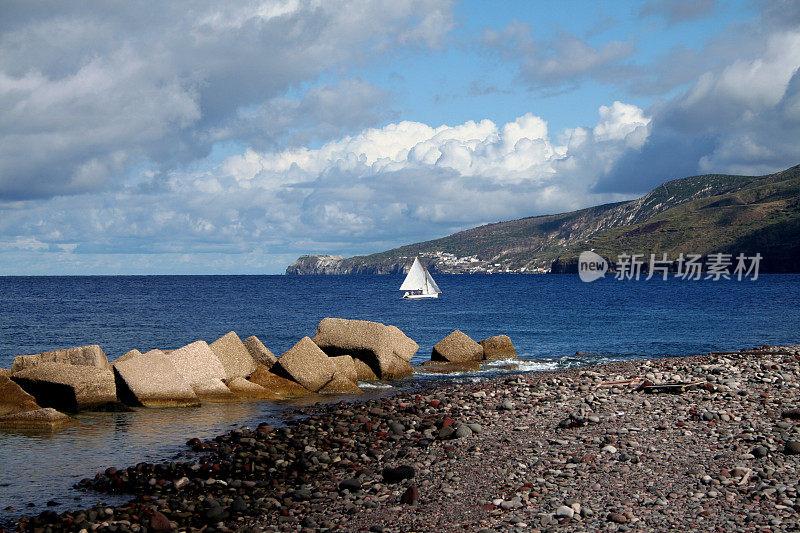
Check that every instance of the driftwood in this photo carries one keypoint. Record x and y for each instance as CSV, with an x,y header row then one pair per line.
x,y
641,384
673,388
621,382
746,477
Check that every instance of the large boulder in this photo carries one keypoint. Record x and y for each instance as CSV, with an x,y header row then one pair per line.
x,y
13,399
47,419
339,385
214,390
386,349
392,368
345,367
67,387
127,355
247,389
457,348
83,355
234,356
364,372
306,364
201,368
151,380
345,377
197,363
403,346
260,353
498,347
279,385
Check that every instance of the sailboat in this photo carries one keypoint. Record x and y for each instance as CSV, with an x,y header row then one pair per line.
x,y
419,283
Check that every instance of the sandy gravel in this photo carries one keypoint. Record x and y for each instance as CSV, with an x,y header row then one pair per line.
x,y
561,450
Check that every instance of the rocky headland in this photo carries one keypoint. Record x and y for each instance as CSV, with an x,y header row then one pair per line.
x,y
709,442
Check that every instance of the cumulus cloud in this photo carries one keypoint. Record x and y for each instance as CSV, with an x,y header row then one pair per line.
x,y
517,152
90,93
735,107
742,119
402,182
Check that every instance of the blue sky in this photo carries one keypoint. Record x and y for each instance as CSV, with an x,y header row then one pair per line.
x,y
233,138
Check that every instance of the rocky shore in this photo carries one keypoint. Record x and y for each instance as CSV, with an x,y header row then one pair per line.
x,y
707,442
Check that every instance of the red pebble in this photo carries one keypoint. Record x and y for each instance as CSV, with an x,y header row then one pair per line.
x,y
159,522
411,495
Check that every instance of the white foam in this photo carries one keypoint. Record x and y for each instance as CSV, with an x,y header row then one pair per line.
x,y
536,366
522,365
491,369
374,385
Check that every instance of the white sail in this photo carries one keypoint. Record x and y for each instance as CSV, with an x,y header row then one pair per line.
x,y
432,286
415,280
419,283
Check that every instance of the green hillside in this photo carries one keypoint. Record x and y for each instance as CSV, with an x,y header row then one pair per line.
x,y
761,216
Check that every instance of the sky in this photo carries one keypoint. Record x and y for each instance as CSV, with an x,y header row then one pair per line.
x,y
232,137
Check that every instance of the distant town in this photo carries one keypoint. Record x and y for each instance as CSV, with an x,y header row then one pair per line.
x,y
448,263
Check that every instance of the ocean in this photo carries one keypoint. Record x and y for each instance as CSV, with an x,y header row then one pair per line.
x,y
550,318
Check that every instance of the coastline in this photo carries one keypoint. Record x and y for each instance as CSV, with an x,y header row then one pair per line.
x,y
555,449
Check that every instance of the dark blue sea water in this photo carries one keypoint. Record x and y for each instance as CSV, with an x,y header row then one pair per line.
x,y
548,317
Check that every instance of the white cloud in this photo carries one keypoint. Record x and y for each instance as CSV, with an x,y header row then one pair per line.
x,y
518,151
403,182
622,122
88,94
740,119
113,107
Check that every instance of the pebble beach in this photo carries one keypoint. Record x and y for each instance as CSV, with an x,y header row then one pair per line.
x,y
707,442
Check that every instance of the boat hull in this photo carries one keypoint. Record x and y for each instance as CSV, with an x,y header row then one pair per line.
x,y
418,296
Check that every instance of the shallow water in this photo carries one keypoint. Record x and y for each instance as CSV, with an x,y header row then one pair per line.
x,y
549,318
35,462
39,467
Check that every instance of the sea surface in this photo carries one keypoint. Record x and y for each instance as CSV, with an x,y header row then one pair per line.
x,y
548,317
